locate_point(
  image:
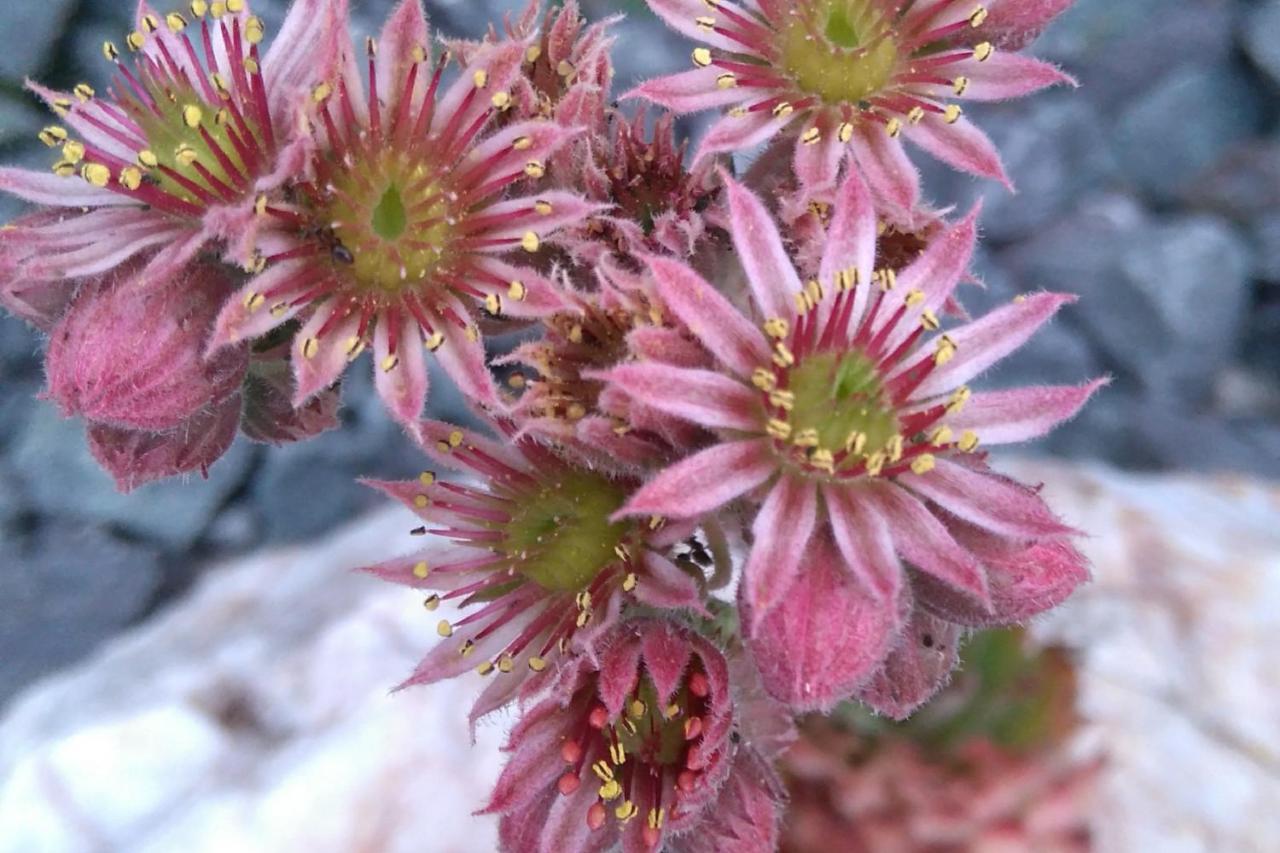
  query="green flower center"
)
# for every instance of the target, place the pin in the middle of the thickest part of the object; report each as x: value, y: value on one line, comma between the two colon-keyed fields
x: 838, y: 395
x: 852, y: 60
x: 562, y: 538
x: 391, y: 220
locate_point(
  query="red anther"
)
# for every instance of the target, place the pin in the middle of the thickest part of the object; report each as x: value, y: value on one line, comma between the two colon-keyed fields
x: 599, y: 717
x: 651, y: 836
x: 568, y: 783
x: 686, y: 780
x: 692, y: 728
x: 570, y: 751
x: 595, y: 816
x: 699, y: 685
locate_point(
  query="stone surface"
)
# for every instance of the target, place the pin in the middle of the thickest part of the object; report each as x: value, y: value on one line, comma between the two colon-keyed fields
x: 1163, y: 300
x: 65, y: 590
x: 31, y: 31
x: 1259, y: 36
x: 63, y: 479
x: 1244, y: 184
x: 1265, y: 234
x: 256, y: 716
x: 1162, y: 150
x: 1176, y: 646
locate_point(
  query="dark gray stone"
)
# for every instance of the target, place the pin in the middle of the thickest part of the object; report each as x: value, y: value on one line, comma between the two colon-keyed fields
x: 1162, y: 301
x: 1055, y: 148
x: 63, y: 479
x: 20, y: 347
x: 1262, y: 340
x: 1120, y: 49
x: 13, y: 502
x: 66, y: 589
x: 19, y: 117
x: 30, y: 32
x: 1265, y: 233
x: 1261, y: 36
x: 1244, y: 184
x: 1178, y: 129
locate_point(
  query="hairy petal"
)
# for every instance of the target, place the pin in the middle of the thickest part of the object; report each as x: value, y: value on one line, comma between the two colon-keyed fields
x: 986, y: 499
x: 705, y: 481
x: 781, y: 531
x: 918, y: 666
x: 770, y: 273
x: 1022, y: 414
x: 700, y: 396
x: 960, y: 145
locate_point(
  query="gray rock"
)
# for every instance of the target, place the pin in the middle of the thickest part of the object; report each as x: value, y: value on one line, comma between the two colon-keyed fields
x: 1262, y: 340
x: 1162, y: 301
x: 30, y: 31
x: 1055, y: 148
x: 1178, y: 129
x: 1244, y: 184
x: 64, y: 480
x: 19, y: 116
x: 19, y: 349
x: 13, y: 503
x: 1261, y: 37
x: 1265, y: 232
x: 66, y: 589
x: 1119, y: 49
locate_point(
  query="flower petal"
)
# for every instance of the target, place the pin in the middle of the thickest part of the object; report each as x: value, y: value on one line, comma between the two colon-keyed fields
x: 866, y: 542
x: 666, y: 655
x: 682, y: 16
x: 781, y: 531
x: 770, y: 273
x: 688, y: 91
x: 245, y: 316
x: 917, y: 667
x: 851, y: 241
x: 666, y: 585
x: 1005, y: 75
x: 404, y: 34
x: 462, y: 357
x: 1022, y: 414
x: 817, y: 164
x: 318, y: 360
x: 48, y: 188
x: 740, y: 132
x: 400, y: 376
x: 1013, y: 24
x: 705, y: 481
x: 960, y: 145
x: 699, y: 396
x: 732, y: 339
x: 890, y: 173
x: 987, y: 500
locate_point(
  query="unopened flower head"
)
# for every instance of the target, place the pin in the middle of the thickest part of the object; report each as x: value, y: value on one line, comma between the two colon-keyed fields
x: 537, y: 566
x: 634, y: 748
x: 847, y: 407
x: 850, y: 77
x: 396, y: 238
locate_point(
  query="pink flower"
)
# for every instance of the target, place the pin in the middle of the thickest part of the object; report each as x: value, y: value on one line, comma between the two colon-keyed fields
x: 396, y: 234
x: 535, y: 559
x: 635, y: 748
x: 847, y: 411
x: 849, y: 78
x: 195, y: 126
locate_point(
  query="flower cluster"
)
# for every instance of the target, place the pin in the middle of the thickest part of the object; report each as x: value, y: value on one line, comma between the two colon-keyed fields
x: 736, y: 472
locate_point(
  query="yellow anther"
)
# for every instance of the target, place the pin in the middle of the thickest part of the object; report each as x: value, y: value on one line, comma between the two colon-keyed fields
x: 543, y: 207
x: 537, y: 664
x: 813, y: 290
x: 251, y: 65
x: 418, y: 53
x: 782, y: 356
x: 73, y: 151
x: 806, y: 438
x: 893, y: 127
x: 785, y: 400
x: 321, y: 93
x: 61, y: 106
x: 960, y: 85
x: 888, y: 279
x: 671, y: 711
x: 764, y: 379
x: 968, y: 441
x: 150, y: 23
x: 480, y: 78
x: 914, y: 298
x: 656, y: 522
x: 621, y: 551
x: 625, y: 811
x: 198, y: 8
x: 738, y: 112
x: 823, y: 460
x: 946, y: 350
x: 310, y: 346
x: 253, y: 301
x: 522, y: 143
x: 421, y: 501
x: 978, y: 17
x: 637, y: 709
x: 466, y: 648
x: 875, y: 464
x: 136, y: 41
x: 603, y: 770
x: 532, y: 54
x: 952, y: 113
x: 147, y: 159
x: 565, y: 68
x: 493, y: 304
x: 63, y: 169
x: 726, y: 81
x: 530, y: 242
x: 175, y: 22
x: 958, y: 399
x: 431, y: 602
x: 254, y: 30
x: 982, y: 52
x: 260, y: 204
x: 701, y: 57
x: 923, y: 464
x: 235, y: 7
x: 84, y: 91
x: 130, y: 178
x: 444, y: 629
x: 846, y: 279
x: 517, y: 291
x: 455, y: 438
x: 783, y: 109
x: 354, y: 346
x: 617, y: 754
x: 434, y: 341
x: 506, y: 663
x: 705, y: 22
x: 535, y: 169
x: 856, y: 442
x: 940, y: 436
x: 53, y: 135
x: 845, y: 133
x: 110, y: 51
x: 916, y: 115
x: 96, y: 174
x: 893, y: 448
x: 485, y: 668
x: 501, y: 100
x: 280, y: 308
x: 575, y: 334
x: 629, y: 582
x: 192, y: 116
x: 656, y: 818
x: 779, y: 429
x: 185, y: 154
x: 777, y: 328
x: 610, y: 790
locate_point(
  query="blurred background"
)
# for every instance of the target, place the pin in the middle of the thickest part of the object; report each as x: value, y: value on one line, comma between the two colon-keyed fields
x: 1153, y: 191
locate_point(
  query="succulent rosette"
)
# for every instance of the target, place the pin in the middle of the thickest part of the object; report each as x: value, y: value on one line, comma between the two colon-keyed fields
x: 848, y: 79
x: 634, y: 748
x: 196, y: 125
x: 842, y: 404
x: 399, y: 234
x: 536, y: 562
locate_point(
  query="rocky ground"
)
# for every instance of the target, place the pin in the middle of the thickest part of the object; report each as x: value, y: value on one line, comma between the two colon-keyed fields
x: 254, y: 715
x: 1154, y: 191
